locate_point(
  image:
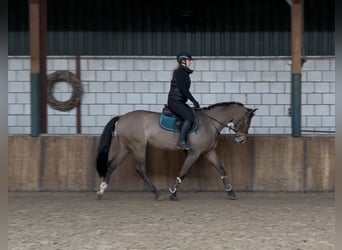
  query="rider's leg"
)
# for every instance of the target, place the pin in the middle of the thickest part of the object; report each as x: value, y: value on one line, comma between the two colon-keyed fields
x: 183, y: 136
x: 187, y: 114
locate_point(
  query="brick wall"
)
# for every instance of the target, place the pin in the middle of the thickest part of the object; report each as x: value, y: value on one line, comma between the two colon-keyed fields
x: 116, y: 85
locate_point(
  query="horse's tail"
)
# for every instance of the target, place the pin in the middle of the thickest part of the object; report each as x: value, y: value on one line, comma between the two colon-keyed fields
x: 104, y: 146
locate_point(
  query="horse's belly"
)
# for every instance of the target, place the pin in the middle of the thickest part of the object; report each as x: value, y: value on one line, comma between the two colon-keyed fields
x: 163, y: 140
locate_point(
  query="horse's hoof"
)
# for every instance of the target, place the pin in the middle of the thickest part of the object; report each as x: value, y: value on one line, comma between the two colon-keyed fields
x: 231, y: 195
x: 173, y: 198
x: 99, y: 195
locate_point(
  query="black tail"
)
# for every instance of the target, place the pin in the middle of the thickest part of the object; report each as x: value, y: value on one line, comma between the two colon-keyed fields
x: 104, y: 146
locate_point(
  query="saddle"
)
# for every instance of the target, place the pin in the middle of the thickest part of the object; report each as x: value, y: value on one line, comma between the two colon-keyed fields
x: 171, y: 122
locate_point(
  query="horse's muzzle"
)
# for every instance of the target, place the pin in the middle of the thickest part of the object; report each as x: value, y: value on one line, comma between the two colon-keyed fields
x: 241, y: 138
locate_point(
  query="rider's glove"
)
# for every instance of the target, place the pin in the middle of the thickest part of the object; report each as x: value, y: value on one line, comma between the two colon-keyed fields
x: 196, y: 104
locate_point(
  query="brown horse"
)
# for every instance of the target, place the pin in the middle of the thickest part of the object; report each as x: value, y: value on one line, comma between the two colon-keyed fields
x: 138, y: 128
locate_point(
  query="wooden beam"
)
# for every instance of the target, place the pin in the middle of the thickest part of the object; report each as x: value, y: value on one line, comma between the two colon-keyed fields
x: 38, y: 29
x: 42, y: 61
x: 297, y: 49
x: 78, y: 111
x: 35, y: 67
x: 34, y: 36
x: 297, y: 35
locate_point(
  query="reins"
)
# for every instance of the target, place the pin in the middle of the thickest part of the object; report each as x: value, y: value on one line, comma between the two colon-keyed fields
x: 224, y: 125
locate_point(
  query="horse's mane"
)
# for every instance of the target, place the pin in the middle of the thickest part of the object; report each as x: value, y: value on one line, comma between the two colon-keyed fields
x: 223, y: 104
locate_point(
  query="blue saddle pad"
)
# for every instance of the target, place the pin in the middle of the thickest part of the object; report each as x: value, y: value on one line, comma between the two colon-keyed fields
x: 169, y: 123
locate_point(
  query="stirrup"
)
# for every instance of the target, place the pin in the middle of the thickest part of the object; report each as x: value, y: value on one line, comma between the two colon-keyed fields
x: 184, y: 145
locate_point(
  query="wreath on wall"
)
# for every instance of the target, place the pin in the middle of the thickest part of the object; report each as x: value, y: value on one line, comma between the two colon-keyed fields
x: 70, y: 78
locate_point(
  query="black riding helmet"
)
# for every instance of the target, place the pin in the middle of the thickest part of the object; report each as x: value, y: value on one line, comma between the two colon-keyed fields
x: 183, y: 56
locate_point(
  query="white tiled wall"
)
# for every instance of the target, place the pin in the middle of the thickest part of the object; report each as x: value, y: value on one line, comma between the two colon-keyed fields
x: 116, y: 85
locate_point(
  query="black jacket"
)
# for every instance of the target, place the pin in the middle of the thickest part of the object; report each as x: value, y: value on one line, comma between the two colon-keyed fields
x: 180, y: 85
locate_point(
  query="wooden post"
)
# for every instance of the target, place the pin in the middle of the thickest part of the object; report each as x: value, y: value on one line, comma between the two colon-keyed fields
x: 297, y: 48
x: 37, y: 9
x: 35, y: 67
x: 42, y: 61
x: 78, y: 110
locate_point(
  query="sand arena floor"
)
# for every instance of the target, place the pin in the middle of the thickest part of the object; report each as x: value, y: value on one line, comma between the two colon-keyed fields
x: 204, y: 220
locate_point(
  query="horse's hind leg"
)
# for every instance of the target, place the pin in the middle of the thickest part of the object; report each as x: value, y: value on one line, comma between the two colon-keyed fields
x: 140, y: 158
x: 112, y: 165
x: 212, y: 158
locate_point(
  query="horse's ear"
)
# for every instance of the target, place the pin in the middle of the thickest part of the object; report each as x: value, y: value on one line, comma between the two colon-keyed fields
x: 251, y: 111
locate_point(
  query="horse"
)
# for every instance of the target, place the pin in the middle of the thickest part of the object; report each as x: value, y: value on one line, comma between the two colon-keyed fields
x: 136, y: 129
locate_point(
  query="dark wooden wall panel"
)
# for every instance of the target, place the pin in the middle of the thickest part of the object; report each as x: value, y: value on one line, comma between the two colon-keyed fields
x: 320, y: 173
x: 24, y: 163
x: 163, y: 28
x: 278, y: 164
x: 264, y: 163
x: 68, y: 162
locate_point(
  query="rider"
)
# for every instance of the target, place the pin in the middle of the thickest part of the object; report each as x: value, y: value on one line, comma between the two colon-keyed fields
x: 179, y: 94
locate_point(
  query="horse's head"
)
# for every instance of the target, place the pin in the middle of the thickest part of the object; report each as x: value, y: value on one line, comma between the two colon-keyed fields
x: 241, y: 125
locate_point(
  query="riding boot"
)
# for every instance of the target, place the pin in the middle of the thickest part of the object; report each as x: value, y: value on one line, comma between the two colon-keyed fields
x: 183, y: 137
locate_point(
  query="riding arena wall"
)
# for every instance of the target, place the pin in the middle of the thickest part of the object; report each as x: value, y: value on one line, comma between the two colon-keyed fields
x: 272, y: 160
x: 276, y: 163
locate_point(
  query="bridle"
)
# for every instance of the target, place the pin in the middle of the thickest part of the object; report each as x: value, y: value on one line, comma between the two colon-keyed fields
x: 224, y: 125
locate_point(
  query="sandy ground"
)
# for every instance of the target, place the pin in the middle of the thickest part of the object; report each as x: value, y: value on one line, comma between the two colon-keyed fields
x: 205, y: 220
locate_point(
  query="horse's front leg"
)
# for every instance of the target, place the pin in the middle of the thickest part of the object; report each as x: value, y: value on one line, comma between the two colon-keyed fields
x: 212, y: 158
x: 173, y: 189
x: 228, y: 187
x: 192, y: 157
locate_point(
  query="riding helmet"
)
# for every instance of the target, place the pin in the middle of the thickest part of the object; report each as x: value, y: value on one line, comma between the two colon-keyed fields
x: 183, y: 56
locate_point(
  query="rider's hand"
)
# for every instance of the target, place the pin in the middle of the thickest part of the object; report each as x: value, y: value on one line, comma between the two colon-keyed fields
x: 196, y: 104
